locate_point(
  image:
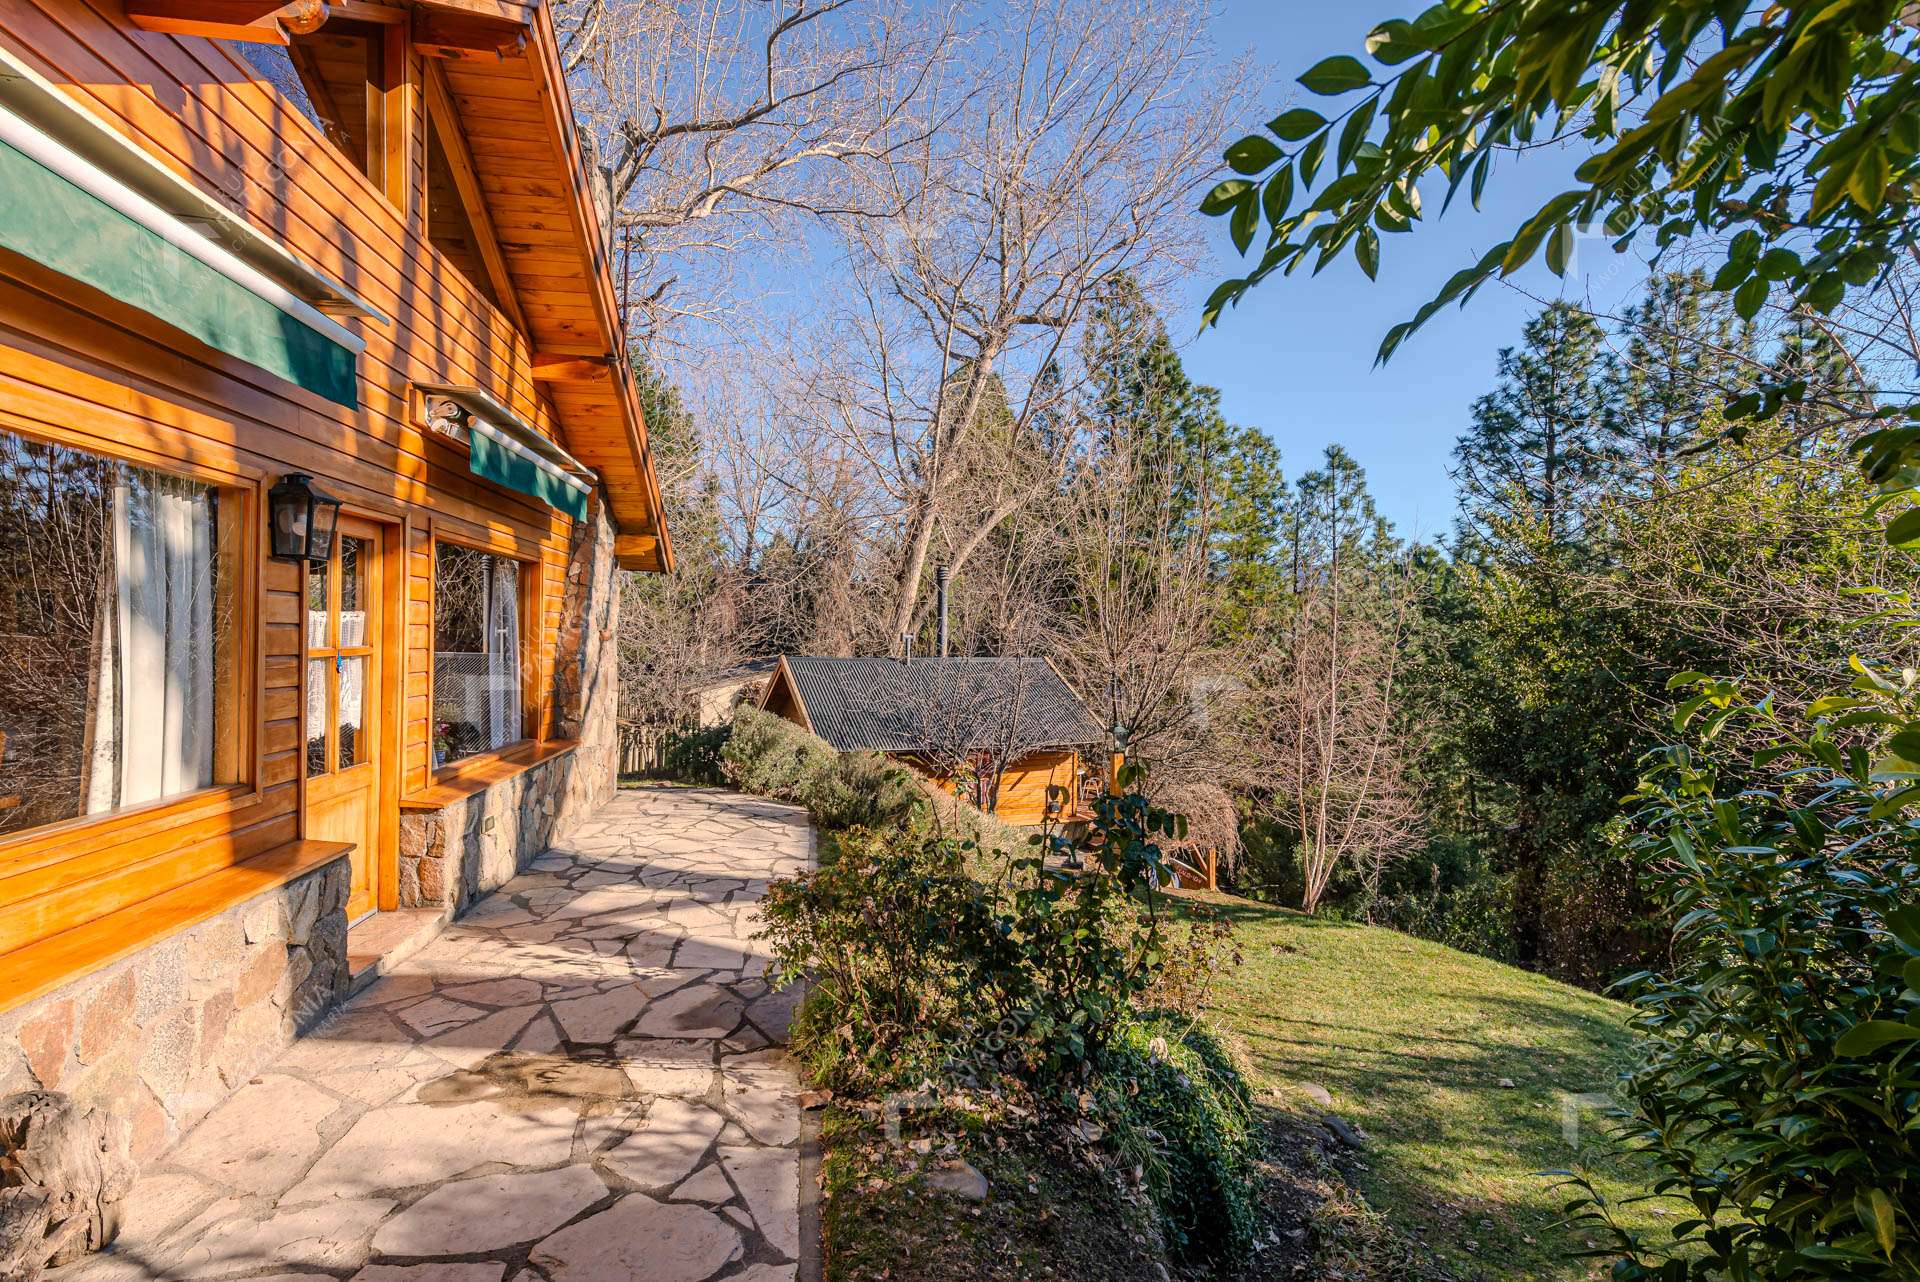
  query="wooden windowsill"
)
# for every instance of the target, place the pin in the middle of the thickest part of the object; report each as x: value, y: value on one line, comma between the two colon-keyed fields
x: 463, y: 779
x: 41, y: 967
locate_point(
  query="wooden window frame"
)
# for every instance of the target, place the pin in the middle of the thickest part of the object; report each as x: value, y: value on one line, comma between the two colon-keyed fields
x: 389, y: 107
x: 527, y: 609
x: 243, y: 690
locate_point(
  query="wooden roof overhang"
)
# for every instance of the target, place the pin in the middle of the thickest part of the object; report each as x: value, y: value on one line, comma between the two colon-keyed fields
x: 497, y: 64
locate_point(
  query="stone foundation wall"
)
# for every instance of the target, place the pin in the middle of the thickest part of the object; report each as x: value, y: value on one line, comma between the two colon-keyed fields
x: 452, y: 856
x: 156, y: 1041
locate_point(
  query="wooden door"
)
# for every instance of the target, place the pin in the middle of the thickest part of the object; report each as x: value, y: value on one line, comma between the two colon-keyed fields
x: 343, y: 704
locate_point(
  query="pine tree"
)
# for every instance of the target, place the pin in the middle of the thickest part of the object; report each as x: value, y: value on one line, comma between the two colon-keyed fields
x: 1544, y: 437
x: 1684, y: 346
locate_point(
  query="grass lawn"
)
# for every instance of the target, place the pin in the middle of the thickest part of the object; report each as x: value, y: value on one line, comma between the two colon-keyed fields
x: 1412, y: 1040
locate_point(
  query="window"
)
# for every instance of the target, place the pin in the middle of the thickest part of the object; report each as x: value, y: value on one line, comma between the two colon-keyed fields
x: 449, y: 223
x: 476, y: 653
x: 335, y: 76
x: 117, y: 672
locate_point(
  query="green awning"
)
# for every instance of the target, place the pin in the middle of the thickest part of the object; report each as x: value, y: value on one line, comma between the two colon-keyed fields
x: 519, y: 470
x: 149, y: 260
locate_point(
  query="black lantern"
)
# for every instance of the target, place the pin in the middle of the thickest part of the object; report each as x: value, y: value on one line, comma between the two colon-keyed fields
x: 302, y: 519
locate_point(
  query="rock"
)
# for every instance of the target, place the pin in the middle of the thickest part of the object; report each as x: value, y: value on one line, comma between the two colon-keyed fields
x: 640, y: 1238
x: 1506, y: 1084
x: 1347, y: 1135
x: 469, y: 1217
x: 668, y: 1146
x: 1317, y: 1093
x: 961, y: 1179
x: 769, y: 1180
x: 61, y: 1183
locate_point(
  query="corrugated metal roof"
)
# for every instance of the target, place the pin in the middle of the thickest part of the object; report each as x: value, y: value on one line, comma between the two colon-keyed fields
x: 920, y: 705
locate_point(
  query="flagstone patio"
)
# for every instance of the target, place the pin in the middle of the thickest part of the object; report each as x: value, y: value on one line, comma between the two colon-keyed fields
x: 579, y: 1081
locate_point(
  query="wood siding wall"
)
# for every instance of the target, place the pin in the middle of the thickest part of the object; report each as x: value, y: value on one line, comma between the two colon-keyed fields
x: 80, y: 369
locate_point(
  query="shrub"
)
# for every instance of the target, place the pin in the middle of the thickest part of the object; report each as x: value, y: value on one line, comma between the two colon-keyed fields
x: 772, y: 757
x: 1178, y: 1090
x: 867, y: 790
x: 694, y: 756
x: 1781, y: 1063
x: 902, y: 952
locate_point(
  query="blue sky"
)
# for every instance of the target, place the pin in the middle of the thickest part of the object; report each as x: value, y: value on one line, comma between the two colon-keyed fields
x: 1296, y: 357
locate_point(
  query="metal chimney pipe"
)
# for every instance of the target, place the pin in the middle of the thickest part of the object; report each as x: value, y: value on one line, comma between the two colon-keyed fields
x: 942, y: 576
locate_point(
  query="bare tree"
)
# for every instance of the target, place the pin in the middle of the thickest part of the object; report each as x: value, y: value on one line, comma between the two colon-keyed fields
x: 722, y: 121
x: 1336, y: 746
x: 1066, y: 155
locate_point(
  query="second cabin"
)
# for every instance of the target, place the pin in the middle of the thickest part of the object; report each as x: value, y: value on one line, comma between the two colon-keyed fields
x: 1006, y: 734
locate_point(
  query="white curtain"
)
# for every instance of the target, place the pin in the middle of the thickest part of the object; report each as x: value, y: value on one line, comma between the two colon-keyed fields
x: 153, y: 720
x: 503, y: 653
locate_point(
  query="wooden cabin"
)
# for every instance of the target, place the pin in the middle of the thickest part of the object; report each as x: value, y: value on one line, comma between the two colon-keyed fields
x: 319, y: 449
x: 964, y: 723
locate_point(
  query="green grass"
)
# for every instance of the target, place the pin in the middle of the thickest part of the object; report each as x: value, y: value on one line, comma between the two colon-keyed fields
x: 1412, y: 1039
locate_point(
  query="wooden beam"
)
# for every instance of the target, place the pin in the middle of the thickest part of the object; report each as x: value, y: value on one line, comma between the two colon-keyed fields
x: 550, y: 367
x: 636, y: 547
x: 440, y: 34
x: 446, y: 125
x: 215, y: 19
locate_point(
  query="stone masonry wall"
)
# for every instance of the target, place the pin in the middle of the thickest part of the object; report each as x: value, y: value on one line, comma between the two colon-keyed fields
x: 452, y: 856
x: 157, y: 1040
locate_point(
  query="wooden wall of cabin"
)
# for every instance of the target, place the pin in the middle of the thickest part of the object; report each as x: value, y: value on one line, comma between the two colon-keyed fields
x: 1024, y: 784
x: 1023, y: 787
x: 82, y: 370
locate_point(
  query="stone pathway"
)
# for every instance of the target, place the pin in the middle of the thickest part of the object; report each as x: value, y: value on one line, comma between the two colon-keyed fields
x: 580, y: 1081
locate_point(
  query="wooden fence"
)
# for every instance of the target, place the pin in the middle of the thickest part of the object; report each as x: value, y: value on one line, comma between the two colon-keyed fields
x: 643, y: 748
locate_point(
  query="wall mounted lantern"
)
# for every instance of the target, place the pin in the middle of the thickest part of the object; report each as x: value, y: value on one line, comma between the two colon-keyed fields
x: 302, y: 519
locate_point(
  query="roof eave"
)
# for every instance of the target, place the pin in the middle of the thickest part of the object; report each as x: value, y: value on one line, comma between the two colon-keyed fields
x: 543, y: 56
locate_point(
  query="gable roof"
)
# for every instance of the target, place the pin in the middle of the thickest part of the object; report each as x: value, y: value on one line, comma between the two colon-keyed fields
x: 919, y: 705
x: 544, y: 199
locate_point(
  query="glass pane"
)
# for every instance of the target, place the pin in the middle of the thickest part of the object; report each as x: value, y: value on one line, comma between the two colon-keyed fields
x: 115, y: 623
x: 353, y: 687
x: 325, y: 76
x: 317, y: 715
x: 353, y: 610
x: 317, y: 605
x: 476, y: 658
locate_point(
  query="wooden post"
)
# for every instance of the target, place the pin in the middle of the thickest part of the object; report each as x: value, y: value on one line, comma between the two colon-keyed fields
x: 1213, y: 868
x: 1114, y: 767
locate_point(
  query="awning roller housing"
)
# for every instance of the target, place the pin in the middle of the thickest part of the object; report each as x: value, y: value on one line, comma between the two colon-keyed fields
x: 505, y: 449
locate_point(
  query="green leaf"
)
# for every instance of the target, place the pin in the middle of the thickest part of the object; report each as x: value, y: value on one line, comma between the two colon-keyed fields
x: 1339, y: 74
x: 1875, y: 1210
x: 1246, y: 218
x: 1310, y: 159
x: 1224, y: 197
x: 1560, y: 249
x: 1868, y: 182
x: 1277, y: 196
x: 1747, y: 300
x: 1910, y: 974
x: 1356, y: 128
x: 1366, y: 252
x: 1296, y: 124
x: 1905, y: 925
x: 1394, y: 41
x: 1253, y: 154
x: 1904, y: 530
x: 1870, y: 1035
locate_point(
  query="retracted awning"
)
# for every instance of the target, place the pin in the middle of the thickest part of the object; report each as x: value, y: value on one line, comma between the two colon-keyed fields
x: 81, y: 200
x: 505, y: 449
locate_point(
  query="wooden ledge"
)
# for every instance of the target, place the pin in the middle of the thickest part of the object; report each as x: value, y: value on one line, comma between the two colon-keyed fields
x: 463, y: 779
x: 41, y: 967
